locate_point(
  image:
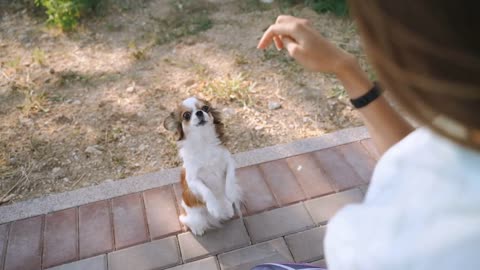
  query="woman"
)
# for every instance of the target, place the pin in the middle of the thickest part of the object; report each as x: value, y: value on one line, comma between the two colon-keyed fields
x: 422, y: 210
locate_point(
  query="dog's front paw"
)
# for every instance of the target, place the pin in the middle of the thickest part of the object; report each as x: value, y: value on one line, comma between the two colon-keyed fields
x: 229, y: 211
x: 215, y: 209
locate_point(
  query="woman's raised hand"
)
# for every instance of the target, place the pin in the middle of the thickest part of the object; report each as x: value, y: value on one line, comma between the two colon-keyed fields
x: 305, y: 44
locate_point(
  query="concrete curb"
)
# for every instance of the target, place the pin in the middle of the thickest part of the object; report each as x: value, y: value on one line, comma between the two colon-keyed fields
x: 134, y: 184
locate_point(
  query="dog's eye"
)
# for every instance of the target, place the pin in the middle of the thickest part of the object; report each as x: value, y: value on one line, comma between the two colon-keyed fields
x: 187, y: 115
x: 205, y: 108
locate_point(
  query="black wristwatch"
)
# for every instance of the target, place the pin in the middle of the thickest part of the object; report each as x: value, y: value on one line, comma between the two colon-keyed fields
x: 366, y: 99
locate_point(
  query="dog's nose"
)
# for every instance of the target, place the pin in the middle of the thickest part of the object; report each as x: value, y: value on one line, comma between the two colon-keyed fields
x: 199, y: 114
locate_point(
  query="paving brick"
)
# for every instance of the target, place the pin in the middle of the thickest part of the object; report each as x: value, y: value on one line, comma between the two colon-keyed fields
x: 231, y: 236
x: 274, y: 251
x: 3, y: 242
x: 312, y: 179
x: 371, y: 148
x: 320, y: 263
x: 282, y: 182
x: 278, y: 222
x: 25, y: 244
x: 209, y: 263
x: 257, y: 196
x: 129, y: 220
x: 306, y: 246
x: 94, y: 263
x: 61, y: 239
x: 323, y: 208
x: 162, y: 216
x: 358, y: 157
x: 342, y: 175
x: 95, y: 229
x: 159, y: 254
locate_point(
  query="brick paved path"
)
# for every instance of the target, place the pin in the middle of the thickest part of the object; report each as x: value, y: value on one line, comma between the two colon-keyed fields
x: 288, y: 204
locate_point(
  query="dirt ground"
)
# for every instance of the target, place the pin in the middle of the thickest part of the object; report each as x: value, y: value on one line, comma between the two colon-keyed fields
x: 84, y: 107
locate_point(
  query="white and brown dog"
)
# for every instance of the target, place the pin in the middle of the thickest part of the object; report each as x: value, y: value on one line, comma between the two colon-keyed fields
x: 210, y: 189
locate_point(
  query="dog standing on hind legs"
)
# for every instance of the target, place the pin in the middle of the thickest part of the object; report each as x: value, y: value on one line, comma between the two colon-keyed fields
x: 211, y: 193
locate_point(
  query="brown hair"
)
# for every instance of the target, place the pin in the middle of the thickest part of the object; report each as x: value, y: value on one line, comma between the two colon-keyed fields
x: 427, y: 54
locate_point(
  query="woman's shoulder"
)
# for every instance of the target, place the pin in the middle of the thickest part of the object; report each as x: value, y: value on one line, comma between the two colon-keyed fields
x: 424, y: 156
x: 421, y: 209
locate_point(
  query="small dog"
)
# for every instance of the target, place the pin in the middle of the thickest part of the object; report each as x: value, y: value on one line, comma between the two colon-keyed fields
x: 210, y: 188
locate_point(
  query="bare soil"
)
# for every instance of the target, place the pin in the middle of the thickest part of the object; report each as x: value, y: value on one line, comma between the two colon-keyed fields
x: 84, y: 107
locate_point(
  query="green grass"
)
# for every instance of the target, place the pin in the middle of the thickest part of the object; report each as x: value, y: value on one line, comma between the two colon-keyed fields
x: 232, y: 88
x: 337, y: 7
x: 66, y: 14
x: 38, y: 56
x: 188, y: 17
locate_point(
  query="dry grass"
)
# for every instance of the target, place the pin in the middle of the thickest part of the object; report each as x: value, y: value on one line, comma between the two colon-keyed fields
x: 109, y: 86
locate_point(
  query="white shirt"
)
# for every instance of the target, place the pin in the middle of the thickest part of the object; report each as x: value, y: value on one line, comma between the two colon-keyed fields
x: 421, y: 212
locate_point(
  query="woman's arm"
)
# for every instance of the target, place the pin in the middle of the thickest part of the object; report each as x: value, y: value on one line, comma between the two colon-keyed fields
x: 384, y: 124
x: 316, y: 53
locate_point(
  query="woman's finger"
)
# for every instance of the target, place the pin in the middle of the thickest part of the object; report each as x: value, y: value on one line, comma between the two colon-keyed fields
x: 291, y: 46
x: 278, y: 42
x: 275, y: 30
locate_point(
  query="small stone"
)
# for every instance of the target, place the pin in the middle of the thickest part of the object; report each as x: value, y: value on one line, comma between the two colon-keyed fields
x: 93, y: 149
x: 266, y: 1
x: 8, y: 198
x: 131, y: 88
x: 76, y: 102
x: 56, y: 170
x: 66, y: 179
x: 273, y: 105
x: 307, y: 119
x: 12, y: 161
x: 142, y: 147
x: 258, y: 128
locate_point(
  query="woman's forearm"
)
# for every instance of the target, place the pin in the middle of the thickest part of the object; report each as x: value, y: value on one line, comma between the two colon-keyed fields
x: 384, y: 124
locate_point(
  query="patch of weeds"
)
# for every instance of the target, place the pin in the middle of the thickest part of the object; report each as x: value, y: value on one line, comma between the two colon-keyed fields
x: 235, y: 88
x: 240, y: 60
x: 14, y: 63
x: 114, y: 27
x: 118, y: 160
x: 56, y: 98
x: 337, y: 92
x: 110, y: 135
x: 33, y: 102
x: 199, y: 69
x: 136, y: 52
x: 272, y: 54
x: 66, y: 13
x: 38, y: 56
x: 246, y: 6
x: 67, y: 77
x: 337, y: 7
x: 189, y: 17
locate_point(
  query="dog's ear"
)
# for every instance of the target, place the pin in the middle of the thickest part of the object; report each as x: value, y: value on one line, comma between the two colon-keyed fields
x: 172, y: 123
x: 217, y: 121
